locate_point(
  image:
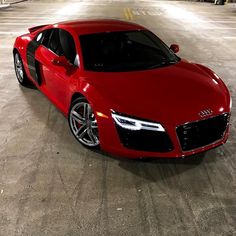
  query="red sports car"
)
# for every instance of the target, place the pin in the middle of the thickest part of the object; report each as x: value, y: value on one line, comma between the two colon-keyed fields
x: 123, y: 90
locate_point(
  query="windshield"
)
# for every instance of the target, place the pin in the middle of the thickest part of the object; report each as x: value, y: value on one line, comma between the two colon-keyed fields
x: 125, y: 51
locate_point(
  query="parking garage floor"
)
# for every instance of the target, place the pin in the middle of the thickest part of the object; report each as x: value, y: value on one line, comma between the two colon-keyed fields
x: 51, y: 185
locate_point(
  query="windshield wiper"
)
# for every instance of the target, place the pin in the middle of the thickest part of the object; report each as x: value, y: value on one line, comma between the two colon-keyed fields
x: 154, y: 66
x: 167, y: 62
x: 163, y: 63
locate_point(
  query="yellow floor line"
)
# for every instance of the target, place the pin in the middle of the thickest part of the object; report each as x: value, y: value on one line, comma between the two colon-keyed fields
x: 128, y: 14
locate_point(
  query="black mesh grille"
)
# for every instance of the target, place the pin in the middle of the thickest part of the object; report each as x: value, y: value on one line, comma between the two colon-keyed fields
x: 145, y: 140
x: 202, y: 133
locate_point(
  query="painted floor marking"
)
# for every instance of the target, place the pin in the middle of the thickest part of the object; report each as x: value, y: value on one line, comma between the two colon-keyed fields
x: 128, y: 14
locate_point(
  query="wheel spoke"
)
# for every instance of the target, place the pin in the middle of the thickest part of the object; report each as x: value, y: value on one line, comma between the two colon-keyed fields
x: 76, y: 116
x: 85, y: 111
x: 91, y: 136
x: 80, y: 129
x: 83, y: 133
x: 88, y: 111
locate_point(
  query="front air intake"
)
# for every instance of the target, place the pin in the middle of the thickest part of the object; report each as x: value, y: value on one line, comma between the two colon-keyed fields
x: 202, y: 133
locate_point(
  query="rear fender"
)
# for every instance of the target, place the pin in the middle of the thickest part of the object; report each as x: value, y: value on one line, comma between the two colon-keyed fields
x: 20, y: 45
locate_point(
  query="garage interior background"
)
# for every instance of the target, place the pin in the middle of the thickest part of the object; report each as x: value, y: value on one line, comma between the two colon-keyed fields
x: 51, y: 185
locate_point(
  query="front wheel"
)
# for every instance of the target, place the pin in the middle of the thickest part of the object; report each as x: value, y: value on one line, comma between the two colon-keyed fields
x: 83, y: 123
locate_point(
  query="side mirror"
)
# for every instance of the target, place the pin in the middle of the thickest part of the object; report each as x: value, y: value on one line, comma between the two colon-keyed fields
x: 174, y: 48
x: 60, y: 61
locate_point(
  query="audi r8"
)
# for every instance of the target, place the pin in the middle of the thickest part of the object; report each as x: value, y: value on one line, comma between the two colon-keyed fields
x: 123, y: 89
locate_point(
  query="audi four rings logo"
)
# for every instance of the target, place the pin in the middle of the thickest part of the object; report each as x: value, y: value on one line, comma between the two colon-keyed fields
x: 205, y: 113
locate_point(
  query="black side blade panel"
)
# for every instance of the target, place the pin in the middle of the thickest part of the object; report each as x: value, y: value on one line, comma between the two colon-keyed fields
x: 31, y: 49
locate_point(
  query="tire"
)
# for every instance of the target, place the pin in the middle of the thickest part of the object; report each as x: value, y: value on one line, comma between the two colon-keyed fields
x: 83, y: 124
x: 19, y: 69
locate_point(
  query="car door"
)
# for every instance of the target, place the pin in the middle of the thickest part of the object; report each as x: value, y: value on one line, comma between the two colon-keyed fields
x: 56, y: 77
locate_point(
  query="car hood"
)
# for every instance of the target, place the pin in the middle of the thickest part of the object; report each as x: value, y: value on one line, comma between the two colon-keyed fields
x: 173, y: 94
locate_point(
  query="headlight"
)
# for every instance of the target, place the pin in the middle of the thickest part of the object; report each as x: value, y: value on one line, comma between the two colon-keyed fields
x: 134, y: 124
x: 230, y: 103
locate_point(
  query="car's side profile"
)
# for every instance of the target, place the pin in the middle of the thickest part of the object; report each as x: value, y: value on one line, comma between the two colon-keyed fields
x: 123, y: 90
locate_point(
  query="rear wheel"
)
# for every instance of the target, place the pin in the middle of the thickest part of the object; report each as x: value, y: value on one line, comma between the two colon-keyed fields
x: 19, y: 69
x: 83, y: 123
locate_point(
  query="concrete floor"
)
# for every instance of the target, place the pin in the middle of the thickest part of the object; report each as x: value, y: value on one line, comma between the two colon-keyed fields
x: 51, y: 185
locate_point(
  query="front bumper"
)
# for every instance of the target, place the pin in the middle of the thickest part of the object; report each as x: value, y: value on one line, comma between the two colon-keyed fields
x: 111, y: 141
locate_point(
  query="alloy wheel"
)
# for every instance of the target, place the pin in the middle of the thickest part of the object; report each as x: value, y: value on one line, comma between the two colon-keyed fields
x: 19, y: 68
x: 83, y: 124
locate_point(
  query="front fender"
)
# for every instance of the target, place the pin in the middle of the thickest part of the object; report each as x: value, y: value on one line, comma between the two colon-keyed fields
x: 214, y: 76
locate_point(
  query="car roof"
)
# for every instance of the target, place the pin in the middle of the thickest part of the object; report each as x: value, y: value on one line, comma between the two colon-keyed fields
x: 92, y: 26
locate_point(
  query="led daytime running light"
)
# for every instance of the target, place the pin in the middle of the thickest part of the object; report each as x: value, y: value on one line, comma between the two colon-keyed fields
x: 134, y: 124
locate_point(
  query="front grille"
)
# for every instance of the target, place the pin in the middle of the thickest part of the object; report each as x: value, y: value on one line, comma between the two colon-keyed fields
x: 145, y: 140
x: 202, y: 133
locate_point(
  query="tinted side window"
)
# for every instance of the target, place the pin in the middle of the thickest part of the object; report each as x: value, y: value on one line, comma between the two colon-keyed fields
x: 39, y: 37
x: 61, y: 43
x: 67, y: 45
x: 46, y: 37
x: 43, y: 37
x: 54, y: 42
